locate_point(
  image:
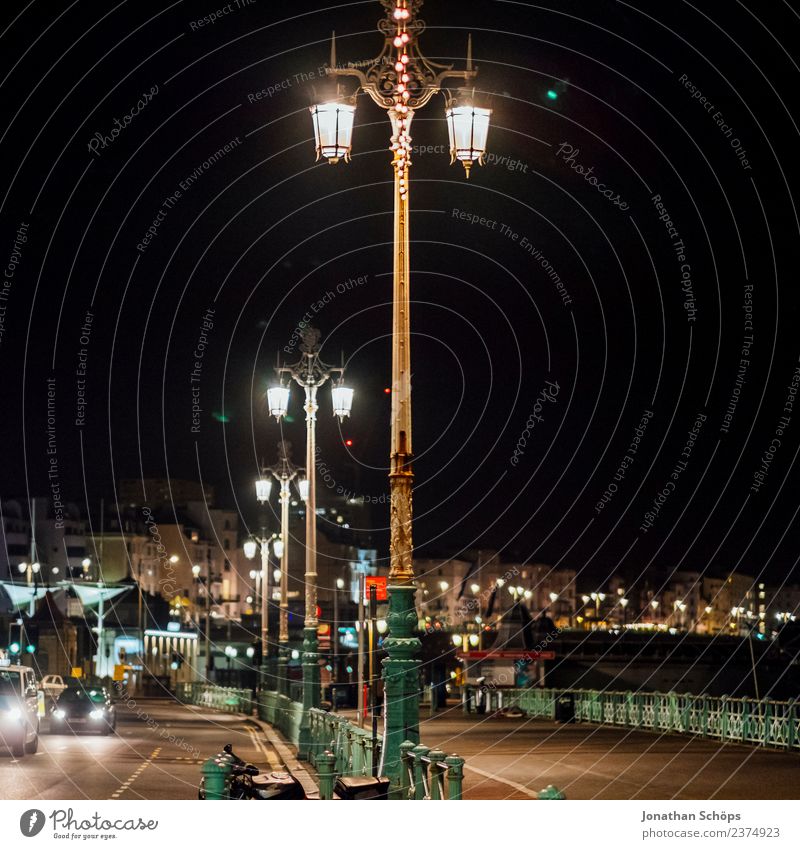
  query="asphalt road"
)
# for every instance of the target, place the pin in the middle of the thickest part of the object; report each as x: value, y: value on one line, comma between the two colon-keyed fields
x: 155, y: 754
x: 514, y: 758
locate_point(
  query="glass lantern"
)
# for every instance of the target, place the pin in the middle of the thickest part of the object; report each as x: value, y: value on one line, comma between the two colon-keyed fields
x: 333, y: 129
x: 263, y: 489
x: 468, y: 127
x: 278, y: 400
x: 342, y: 398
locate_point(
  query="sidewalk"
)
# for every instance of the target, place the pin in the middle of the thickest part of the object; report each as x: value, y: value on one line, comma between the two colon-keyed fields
x: 514, y: 758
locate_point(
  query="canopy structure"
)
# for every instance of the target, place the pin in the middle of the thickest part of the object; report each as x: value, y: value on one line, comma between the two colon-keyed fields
x: 90, y: 595
x: 20, y: 594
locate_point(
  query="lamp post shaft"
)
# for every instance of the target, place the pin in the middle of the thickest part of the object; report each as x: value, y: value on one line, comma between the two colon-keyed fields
x: 400, y: 667
x: 311, y: 676
x: 283, y: 632
x: 264, y: 600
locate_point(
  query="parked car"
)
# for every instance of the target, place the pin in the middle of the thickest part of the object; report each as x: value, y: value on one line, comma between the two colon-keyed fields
x: 83, y: 708
x: 19, y: 709
x: 53, y: 686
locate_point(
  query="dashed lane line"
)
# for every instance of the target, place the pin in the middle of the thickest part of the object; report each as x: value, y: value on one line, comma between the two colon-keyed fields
x: 142, y: 767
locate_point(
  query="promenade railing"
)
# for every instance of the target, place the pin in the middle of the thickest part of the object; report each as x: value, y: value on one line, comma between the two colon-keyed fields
x: 761, y: 722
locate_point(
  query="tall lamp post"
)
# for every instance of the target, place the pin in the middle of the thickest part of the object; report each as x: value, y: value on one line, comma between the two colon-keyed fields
x: 284, y: 471
x: 401, y: 80
x: 261, y: 579
x: 310, y: 372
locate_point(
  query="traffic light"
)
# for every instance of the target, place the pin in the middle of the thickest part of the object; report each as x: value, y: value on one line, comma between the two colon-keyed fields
x: 31, y: 638
x: 15, y: 638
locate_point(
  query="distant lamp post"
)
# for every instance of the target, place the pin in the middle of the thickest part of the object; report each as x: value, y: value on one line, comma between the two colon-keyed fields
x: 310, y: 372
x: 284, y: 471
x: 400, y: 80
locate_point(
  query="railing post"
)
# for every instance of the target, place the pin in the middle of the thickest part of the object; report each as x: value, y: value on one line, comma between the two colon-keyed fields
x: 723, y: 718
x: 407, y: 770
x: 746, y: 713
x: 455, y: 777
x: 326, y: 771
x: 791, y: 719
x: 420, y: 776
x: 704, y: 717
x: 767, y: 722
x: 437, y: 773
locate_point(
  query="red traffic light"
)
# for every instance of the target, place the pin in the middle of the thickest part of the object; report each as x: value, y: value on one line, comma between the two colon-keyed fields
x: 387, y: 391
x: 348, y: 443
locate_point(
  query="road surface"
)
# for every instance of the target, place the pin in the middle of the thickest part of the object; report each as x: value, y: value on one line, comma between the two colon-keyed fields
x: 155, y: 754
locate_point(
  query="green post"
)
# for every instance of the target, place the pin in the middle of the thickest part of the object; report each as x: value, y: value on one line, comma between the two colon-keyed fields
x: 215, y: 774
x: 326, y: 771
x: 437, y: 773
x: 723, y: 704
x: 455, y: 777
x: 550, y: 792
x: 400, y: 677
x: 283, y: 669
x: 311, y: 686
x: 767, y: 721
x: 406, y: 786
x: 791, y: 719
x: 420, y: 768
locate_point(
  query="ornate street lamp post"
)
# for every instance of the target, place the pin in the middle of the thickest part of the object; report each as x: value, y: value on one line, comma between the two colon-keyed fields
x: 401, y: 80
x: 310, y: 372
x: 284, y: 471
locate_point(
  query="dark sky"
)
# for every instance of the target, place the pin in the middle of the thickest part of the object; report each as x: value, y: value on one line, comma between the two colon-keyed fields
x: 683, y: 101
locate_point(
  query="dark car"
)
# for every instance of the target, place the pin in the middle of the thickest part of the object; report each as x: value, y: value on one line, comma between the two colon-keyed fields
x: 83, y: 708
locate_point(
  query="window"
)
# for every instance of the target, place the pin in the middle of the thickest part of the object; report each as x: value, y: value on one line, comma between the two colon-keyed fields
x: 227, y: 525
x: 226, y: 544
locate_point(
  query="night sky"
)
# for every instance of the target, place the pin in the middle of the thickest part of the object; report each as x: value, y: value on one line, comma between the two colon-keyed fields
x: 629, y: 249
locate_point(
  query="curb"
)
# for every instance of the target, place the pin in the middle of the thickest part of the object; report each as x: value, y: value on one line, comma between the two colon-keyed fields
x: 287, y: 757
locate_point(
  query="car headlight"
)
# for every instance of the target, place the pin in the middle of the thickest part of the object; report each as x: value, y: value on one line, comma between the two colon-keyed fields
x: 96, y: 714
x: 59, y: 714
x: 13, y: 714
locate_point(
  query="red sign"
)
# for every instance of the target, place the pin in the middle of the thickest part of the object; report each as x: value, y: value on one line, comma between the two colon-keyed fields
x: 380, y: 585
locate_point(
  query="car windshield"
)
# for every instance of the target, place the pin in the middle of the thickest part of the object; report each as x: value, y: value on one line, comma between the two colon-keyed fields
x: 9, y: 683
x: 82, y: 695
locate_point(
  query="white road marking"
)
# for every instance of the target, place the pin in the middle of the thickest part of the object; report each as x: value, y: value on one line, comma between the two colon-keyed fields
x: 521, y: 787
x: 125, y: 785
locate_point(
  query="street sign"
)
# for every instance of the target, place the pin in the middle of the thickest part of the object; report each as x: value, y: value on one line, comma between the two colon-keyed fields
x: 380, y: 585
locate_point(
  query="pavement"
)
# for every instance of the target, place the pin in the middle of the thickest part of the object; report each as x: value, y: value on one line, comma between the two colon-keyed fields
x: 513, y: 758
x: 155, y: 754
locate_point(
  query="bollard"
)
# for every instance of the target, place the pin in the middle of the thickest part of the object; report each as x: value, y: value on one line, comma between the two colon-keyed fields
x: 550, y: 792
x: 420, y: 771
x: 437, y: 769
x: 326, y: 772
x: 455, y: 776
x: 216, y: 772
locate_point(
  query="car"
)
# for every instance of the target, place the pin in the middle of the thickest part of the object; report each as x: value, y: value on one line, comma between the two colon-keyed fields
x: 53, y: 686
x: 85, y: 708
x: 19, y: 709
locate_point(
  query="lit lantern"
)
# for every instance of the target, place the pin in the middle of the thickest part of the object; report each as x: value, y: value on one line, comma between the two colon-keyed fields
x: 278, y: 400
x: 333, y: 129
x: 342, y: 398
x: 250, y: 547
x: 277, y: 548
x: 468, y: 126
x: 263, y: 489
x: 302, y: 486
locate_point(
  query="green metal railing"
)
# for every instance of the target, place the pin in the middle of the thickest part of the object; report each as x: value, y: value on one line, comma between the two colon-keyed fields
x: 229, y: 699
x: 761, y: 722
x: 281, y: 712
x: 348, y: 750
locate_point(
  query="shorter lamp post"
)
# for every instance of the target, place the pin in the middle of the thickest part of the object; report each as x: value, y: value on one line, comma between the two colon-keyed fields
x: 284, y: 471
